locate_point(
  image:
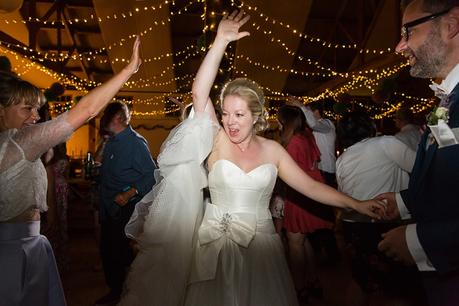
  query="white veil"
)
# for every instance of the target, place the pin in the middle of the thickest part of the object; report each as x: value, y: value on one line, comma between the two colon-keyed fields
x: 165, y: 220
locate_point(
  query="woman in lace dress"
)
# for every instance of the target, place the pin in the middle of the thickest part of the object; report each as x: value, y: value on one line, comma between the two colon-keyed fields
x: 238, y: 258
x: 302, y: 215
x: 29, y: 274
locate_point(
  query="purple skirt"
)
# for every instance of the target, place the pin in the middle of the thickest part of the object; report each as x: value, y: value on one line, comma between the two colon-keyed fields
x: 29, y: 272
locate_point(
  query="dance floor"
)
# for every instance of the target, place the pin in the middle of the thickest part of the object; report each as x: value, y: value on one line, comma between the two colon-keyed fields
x: 84, y: 281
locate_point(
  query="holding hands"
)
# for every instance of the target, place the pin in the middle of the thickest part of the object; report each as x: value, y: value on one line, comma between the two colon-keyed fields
x: 228, y: 29
x: 392, y: 211
x: 394, y: 244
x: 374, y: 208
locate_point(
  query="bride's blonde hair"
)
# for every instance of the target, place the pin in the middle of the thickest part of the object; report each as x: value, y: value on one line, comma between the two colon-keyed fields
x: 252, y: 93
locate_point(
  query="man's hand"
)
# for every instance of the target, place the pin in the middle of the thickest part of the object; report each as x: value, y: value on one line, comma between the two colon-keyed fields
x: 294, y: 101
x: 394, y: 245
x: 123, y: 198
x: 392, y: 211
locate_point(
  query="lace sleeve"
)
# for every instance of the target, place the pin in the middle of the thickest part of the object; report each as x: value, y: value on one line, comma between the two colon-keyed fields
x: 191, y: 140
x: 37, y: 139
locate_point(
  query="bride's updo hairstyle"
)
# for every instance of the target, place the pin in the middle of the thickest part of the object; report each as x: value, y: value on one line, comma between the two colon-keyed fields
x: 252, y: 93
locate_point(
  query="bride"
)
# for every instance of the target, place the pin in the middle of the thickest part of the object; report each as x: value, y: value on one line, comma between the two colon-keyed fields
x: 226, y: 253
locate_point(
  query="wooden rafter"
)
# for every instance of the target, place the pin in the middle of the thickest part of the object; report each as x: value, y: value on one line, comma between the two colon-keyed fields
x: 71, y: 34
x: 69, y: 3
x: 20, y: 48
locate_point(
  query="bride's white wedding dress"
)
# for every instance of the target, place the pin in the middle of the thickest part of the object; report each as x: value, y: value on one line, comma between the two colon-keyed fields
x: 233, y: 257
x: 239, y: 257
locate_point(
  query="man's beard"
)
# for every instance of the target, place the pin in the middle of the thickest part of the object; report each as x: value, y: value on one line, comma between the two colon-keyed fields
x: 430, y: 57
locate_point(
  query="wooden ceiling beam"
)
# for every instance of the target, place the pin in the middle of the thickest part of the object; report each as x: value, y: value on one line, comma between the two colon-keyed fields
x: 71, y: 34
x: 335, y: 26
x: 21, y: 49
x: 69, y: 3
x: 71, y: 48
x: 33, y: 28
x: 76, y: 29
x: 89, y: 70
x: 53, y: 9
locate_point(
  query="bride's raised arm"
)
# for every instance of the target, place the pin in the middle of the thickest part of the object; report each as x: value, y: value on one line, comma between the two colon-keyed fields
x: 296, y: 178
x: 228, y: 31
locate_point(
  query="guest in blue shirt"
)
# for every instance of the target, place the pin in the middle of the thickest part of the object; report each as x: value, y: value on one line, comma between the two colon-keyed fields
x: 127, y: 174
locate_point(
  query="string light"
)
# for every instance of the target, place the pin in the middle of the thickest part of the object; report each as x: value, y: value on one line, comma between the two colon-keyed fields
x: 94, y: 18
x: 68, y: 80
x: 89, y: 56
x: 367, y: 78
x: 299, y: 33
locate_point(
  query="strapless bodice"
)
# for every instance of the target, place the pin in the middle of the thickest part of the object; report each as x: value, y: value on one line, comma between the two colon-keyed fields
x: 238, y: 191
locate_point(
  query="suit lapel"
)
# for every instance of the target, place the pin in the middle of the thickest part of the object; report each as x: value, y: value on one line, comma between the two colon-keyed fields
x: 427, y: 155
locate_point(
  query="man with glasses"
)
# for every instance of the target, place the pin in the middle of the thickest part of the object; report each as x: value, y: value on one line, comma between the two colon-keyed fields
x: 430, y: 41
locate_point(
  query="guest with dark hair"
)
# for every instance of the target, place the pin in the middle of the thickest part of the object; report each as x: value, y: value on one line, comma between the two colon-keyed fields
x: 126, y: 175
x: 324, y: 133
x: 302, y: 215
x: 430, y: 41
x: 368, y: 166
x: 29, y: 274
x: 409, y: 133
x: 355, y: 127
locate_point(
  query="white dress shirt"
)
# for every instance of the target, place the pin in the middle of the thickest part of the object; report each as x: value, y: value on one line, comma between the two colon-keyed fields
x: 374, y: 166
x: 325, y: 135
x: 410, y: 135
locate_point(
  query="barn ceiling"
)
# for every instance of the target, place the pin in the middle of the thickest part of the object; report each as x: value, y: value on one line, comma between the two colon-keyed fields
x: 311, y: 48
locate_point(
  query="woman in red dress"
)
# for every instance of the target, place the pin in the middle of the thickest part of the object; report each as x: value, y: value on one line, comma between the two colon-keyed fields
x: 301, y: 214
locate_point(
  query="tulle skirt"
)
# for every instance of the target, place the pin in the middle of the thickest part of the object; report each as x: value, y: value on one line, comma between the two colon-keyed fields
x: 253, y: 276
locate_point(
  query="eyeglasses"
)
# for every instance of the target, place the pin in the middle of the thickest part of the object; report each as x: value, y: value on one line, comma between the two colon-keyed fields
x: 406, y: 27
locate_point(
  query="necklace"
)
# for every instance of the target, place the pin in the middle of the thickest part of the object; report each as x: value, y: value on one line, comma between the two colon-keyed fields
x: 246, y: 144
x: 242, y: 149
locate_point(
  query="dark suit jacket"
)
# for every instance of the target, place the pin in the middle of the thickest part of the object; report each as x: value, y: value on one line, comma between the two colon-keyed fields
x: 432, y: 197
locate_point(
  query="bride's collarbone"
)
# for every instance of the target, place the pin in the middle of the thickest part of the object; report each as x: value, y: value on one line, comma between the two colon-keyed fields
x: 245, y: 163
x: 247, y: 159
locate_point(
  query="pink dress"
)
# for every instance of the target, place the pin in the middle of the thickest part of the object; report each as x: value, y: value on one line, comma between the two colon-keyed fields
x: 302, y: 214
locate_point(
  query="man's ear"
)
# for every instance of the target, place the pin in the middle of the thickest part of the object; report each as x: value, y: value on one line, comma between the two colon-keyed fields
x: 452, y: 22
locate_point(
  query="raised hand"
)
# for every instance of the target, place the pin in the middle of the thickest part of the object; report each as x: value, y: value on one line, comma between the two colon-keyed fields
x: 228, y: 29
x: 183, y: 107
x: 294, y: 101
x: 135, y: 61
x: 177, y: 102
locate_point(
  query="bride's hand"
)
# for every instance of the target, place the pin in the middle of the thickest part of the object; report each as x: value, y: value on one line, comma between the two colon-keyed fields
x: 373, y: 208
x: 228, y: 29
x: 135, y: 61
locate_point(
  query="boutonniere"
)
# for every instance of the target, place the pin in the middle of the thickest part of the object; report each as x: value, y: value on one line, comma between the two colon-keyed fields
x: 441, y: 131
x: 438, y: 113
